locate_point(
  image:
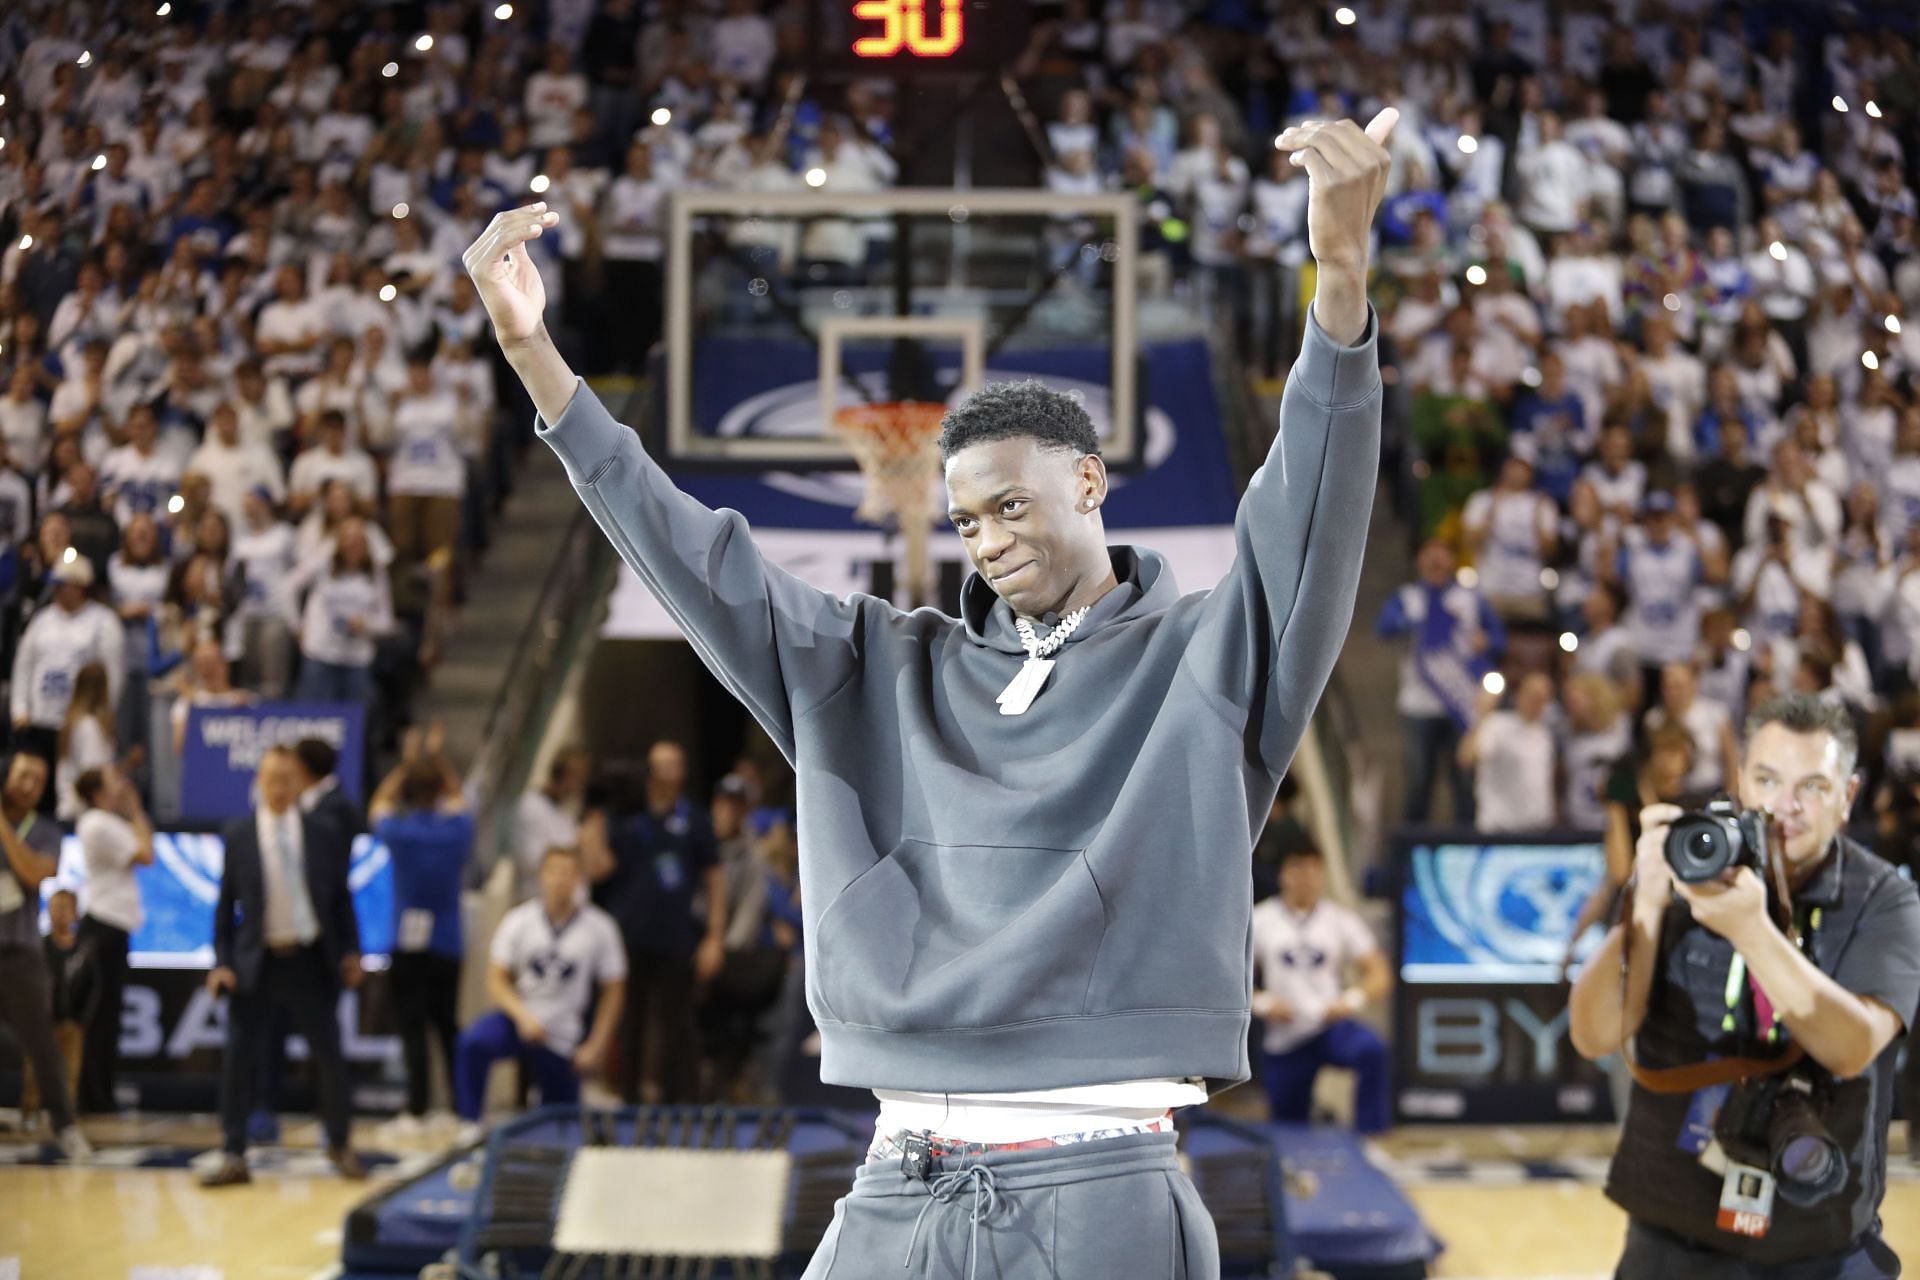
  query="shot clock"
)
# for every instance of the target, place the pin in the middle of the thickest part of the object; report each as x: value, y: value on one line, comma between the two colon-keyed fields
x: 914, y: 37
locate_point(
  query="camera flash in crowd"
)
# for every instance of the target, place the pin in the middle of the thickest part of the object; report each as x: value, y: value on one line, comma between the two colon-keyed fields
x: 1530, y: 376
x: 1777, y: 251
x: 1344, y: 16
x: 99, y: 162
x: 85, y: 59
x: 391, y: 70
x: 1870, y: 360
x: 423, y: 43
x: 1468, y: 144
x: 1741, y: 640
x: 176, y: 504
x: 69, y: 556
x: 1467, y: 576
x: 539, y: 183
x: 1893, y: 323
x: 400, y: 210
x: 1872, y: 108
x: 1476, y: 274
x: 1494, y: 683
x: 1839, y: 104
x: 503, y: 12
x: 388, y: 293
x: 1569, y: 642
x: 163, y: 10
x: 1671, y: 302
x: 661, y: 116
x: 816, y: 177
x: 26, y: 242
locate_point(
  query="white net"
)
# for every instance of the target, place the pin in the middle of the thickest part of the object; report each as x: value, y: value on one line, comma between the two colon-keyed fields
x: 898, y: 448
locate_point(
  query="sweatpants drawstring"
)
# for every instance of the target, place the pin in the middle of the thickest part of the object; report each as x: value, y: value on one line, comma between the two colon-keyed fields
x: 944, y: 1190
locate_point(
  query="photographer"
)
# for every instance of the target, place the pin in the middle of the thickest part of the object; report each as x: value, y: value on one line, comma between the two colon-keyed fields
x: 1712, y: 977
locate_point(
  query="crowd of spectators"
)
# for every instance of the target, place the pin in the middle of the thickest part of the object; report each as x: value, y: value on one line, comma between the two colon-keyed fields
x: 1648, y: 279
x: 249, y: 425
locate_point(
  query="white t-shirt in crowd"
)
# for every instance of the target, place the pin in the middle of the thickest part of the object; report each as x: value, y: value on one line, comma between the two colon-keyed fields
x: 138, y: 483
x: 313, y: 469
x: 333, y: 601
x: 282, y: 321
x: 1303, y: 959
x: 539, y: 825
x: 426, y: 459
x: 129, y: 583
x: 1663, y: 613
x: 23, y: 425
x: 1704, y: 721
x: 1514, y: 523
x: 233, y: 472
x: 634, y: 211
x: 554, y: 969
x: 88, y: 747
x: 1590, y: 760
x: 108, y: 847
x: 743, y: 47
x: 1622, y: 489
x: 1513, y: 781
x: 266, y: 557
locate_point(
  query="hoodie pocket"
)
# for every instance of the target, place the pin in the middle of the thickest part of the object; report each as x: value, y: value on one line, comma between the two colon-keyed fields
x: 936, y: 937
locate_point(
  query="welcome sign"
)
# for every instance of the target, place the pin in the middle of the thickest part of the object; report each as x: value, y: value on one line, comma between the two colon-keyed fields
x: 223, y: 747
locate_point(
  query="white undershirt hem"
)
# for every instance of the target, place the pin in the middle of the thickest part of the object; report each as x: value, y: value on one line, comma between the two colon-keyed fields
x: 1044, y: 1113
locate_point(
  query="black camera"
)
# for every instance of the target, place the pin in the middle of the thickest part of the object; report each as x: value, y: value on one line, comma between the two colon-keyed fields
x: 1779, y: 1123
x: 1718, y: 838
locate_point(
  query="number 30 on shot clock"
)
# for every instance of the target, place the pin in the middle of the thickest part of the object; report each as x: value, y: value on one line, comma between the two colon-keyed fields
x: 908, y: 25
x: 861, y: 37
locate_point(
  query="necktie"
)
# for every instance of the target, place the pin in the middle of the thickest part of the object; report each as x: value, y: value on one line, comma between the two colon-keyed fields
x: 305, y: 927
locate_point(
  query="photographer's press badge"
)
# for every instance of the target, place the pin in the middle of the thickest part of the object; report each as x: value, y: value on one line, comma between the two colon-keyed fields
x: 1746, y: 1201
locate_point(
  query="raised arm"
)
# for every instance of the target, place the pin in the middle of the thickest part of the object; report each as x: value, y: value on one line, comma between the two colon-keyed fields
x: 1606, y: 1007
x: 779, y: 645
x: 1269, y: 633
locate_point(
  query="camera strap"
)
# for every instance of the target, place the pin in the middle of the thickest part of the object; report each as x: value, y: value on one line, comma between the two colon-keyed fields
x: 1719, y: 1071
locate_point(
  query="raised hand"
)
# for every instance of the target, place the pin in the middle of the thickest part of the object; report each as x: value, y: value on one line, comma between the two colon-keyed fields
x: 504, y: 276
x: 1347, y: 176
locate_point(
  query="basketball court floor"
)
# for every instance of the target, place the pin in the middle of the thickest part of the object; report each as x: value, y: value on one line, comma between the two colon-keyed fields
x: 1513, y: 1204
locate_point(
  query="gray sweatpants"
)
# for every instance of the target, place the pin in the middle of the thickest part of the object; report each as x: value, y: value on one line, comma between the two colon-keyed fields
x: 26, y: 1008
x: 1119, y: 1207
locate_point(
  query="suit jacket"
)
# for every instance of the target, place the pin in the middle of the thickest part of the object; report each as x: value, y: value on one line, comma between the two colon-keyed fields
x: 240, y: 916
x: 342, y: 816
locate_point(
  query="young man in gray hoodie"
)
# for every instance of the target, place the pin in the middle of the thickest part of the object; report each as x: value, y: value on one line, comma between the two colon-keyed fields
x: 1025, y: 832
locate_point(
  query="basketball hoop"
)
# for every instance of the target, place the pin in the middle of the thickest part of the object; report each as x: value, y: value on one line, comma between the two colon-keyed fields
x: 897, y: 447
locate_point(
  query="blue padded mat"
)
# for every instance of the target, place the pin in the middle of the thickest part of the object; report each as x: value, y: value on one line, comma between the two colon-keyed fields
x: 1356, y: 1218
x: 1356, y: 1224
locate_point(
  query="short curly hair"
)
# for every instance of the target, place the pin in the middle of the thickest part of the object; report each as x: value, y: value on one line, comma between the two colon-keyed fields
x: 1010, y: 410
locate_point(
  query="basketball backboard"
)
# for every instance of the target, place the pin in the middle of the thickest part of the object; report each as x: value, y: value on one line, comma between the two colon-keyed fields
x: 784, y: 305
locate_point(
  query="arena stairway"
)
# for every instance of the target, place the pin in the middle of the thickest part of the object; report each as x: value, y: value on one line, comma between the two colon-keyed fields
x: 503, y: 585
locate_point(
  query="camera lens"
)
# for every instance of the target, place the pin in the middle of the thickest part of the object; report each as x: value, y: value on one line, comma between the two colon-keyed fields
x: 1810, y: 1165
x: 1699, y: 848
x: 1806, y: 1160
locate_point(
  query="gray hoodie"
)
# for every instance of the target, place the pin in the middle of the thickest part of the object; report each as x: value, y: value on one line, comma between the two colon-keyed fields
x: 1008, y: 903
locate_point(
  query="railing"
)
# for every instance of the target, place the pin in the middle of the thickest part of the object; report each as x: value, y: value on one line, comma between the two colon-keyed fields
x: 533, y: 679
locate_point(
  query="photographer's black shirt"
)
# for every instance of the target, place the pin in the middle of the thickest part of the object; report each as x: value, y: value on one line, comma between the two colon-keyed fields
x: 1868, y: 939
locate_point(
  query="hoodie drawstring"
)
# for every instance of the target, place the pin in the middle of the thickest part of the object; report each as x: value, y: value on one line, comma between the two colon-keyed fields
x: 947, y: 1188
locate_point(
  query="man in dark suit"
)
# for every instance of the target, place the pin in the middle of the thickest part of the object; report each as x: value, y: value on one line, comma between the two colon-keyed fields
x: 322, y: 798
x: 321, y: 794
x: 284, y: 935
